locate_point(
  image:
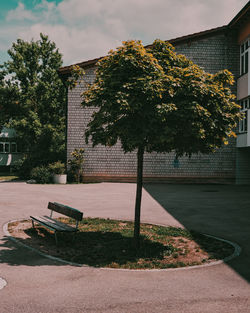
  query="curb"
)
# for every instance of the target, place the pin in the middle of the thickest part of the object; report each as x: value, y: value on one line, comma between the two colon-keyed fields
x: 6, y: 232
x: 3, y: 283
x: 236, y: 253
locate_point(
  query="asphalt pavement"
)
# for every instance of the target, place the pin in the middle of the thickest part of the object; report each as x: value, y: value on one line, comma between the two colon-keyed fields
x: 39, y: 285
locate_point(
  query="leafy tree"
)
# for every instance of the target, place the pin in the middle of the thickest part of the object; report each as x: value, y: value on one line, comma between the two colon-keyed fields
x: 156, y: 100
x: 8, y: 98
x: 33, y: 99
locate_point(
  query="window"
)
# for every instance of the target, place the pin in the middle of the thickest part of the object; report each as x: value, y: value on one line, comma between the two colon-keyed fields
x: 244, y: 57
x: 13, y: 147
x: 245, y: 106
x: 7, y: 147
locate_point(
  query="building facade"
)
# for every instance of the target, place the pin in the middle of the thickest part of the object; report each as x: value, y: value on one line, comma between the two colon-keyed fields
x: 225, y: 47
x: 243, y: 96
x: 9, y: 152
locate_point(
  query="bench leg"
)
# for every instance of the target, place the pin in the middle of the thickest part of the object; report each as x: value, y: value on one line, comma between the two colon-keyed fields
x: 74, y: 237
x: 56, y: 238
x: 33, y: 225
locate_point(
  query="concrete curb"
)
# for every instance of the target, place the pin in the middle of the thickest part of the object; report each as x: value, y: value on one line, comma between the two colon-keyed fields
x: 3, y: 283
x: 237, y: 251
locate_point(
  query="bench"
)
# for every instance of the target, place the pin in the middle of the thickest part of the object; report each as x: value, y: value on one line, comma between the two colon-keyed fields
x: 53, y: 224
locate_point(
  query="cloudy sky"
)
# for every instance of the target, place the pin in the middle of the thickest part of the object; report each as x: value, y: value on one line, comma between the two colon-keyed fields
x: 85, y: 29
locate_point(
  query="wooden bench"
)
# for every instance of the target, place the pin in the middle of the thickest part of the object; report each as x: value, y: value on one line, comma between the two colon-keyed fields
x: 55, y: 225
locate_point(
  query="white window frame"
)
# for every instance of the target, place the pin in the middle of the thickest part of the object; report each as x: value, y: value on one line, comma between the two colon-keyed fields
x: 244, y: 56
x: 245, y: 108
x: 8, y: 147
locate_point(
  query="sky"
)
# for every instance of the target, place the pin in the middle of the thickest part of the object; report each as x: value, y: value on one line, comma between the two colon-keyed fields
x: 86, y: 29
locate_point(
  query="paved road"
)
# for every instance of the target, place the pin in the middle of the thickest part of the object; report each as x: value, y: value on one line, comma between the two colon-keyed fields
x: 39, y: 285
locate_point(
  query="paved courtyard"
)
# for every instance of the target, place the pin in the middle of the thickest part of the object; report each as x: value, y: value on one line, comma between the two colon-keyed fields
x: 39, y: 285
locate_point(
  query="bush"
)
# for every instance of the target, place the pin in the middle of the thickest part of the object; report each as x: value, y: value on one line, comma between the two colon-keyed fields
x: 41, y: 174
x: 23, y: 167
x: 76, y: 164
x: 57, y: 167
x: 17, y: 165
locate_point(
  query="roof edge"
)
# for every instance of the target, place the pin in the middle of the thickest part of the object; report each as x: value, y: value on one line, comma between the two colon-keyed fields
x: 178, y: 40
x: 85, y: 64
x: 203, y: 33
x: 242, y: 12
x: 89, y: 63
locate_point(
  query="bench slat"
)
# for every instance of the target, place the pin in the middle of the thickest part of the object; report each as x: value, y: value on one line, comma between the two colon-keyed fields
x: 63, y: 225
x: 53, y: 224
x: 65, y: 210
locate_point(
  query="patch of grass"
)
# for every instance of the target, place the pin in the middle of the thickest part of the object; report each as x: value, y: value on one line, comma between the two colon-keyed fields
x: 8, y: 177
x: 109, y: 243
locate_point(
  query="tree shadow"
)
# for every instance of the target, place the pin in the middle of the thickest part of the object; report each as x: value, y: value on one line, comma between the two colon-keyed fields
x: 97, y: 249
x: 12, y: 253
x: 218, y: 210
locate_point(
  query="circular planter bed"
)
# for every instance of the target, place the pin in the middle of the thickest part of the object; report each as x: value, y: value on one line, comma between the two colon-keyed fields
x: 109, y: 243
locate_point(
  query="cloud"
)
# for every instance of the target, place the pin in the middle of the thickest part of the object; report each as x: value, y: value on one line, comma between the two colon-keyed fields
x: 73, y: 10
x: 75, y: 44
x: 165, y: 18
x: 85, y: 29
x: 20, y: 14
x: 47, y: 11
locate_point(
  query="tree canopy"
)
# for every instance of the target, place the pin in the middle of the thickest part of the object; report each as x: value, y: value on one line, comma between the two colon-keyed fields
x: 155, y: 100
x: 33, y: 99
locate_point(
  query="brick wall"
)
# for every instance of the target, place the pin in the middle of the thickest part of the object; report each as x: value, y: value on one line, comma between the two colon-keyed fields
x: 111, y: 164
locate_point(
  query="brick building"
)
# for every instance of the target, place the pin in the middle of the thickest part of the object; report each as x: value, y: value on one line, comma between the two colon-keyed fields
x: 225, y: 47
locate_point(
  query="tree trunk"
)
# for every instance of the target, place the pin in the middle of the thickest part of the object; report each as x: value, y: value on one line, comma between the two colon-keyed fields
x: 140, y: 154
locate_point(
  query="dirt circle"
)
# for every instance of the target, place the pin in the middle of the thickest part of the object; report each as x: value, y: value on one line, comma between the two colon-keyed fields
x: 109, y: 249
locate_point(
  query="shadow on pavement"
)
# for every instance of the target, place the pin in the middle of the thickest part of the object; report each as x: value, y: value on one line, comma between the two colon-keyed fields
x: 13, y: 253
x: 219, y: 210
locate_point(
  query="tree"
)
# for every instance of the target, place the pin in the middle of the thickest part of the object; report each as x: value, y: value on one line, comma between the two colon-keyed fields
x: 33, y: 99
x: 156, y: 100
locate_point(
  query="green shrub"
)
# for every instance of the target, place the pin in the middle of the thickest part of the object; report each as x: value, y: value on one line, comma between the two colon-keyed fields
x: 76, y: 165
x: 57, y: 167
x: 17, y: 165
x: 23, y: 167
x: 41, y: 174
